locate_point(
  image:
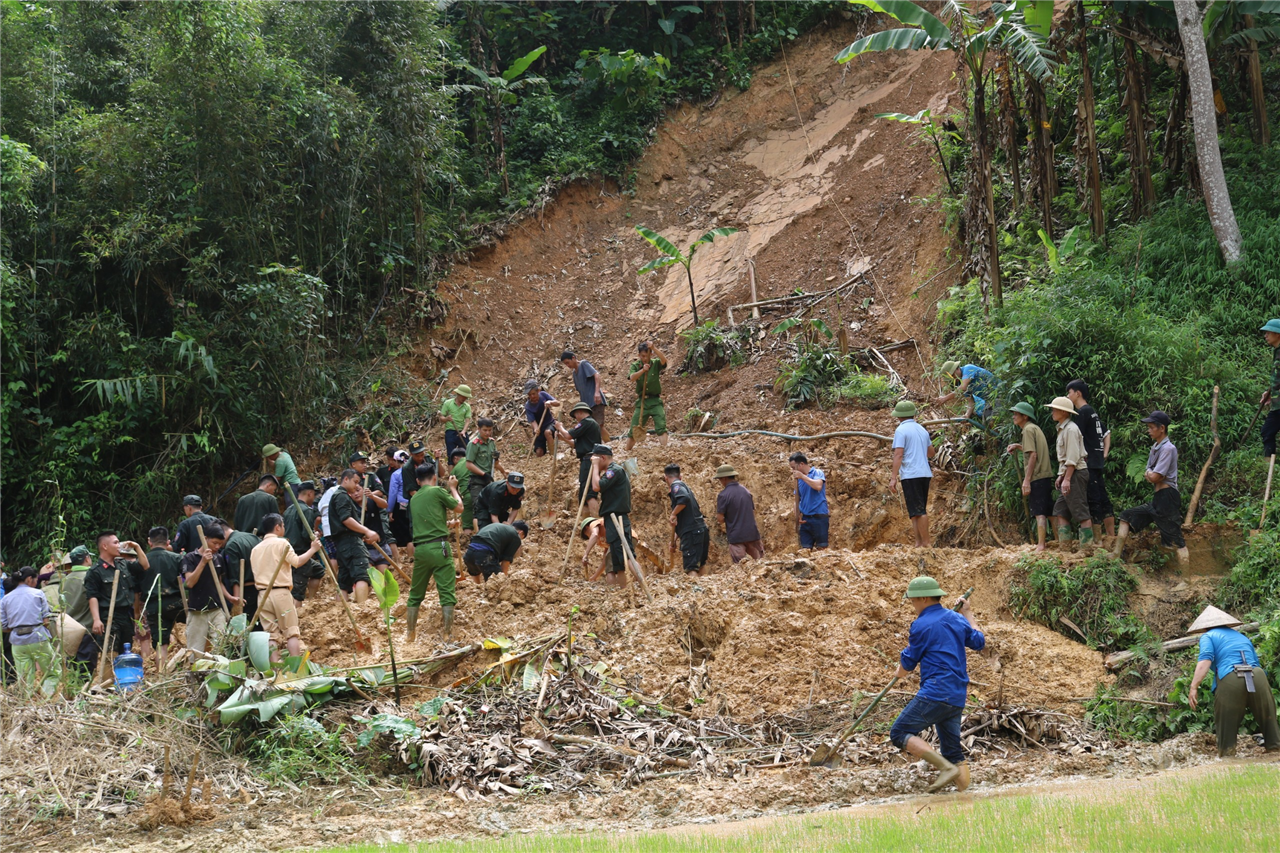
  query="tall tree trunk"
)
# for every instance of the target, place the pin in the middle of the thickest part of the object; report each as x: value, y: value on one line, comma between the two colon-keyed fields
x: 1008, y: 125
x: 1205, y: 125
x: 1172, y: 152
x: 986, y: 192
x: 1086, y: 132
x: 1261, y: 132
x: 1042, y: 167
x: 1144, y: 192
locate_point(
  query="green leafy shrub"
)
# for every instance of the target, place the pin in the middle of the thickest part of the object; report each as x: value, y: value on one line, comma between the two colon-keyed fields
x: 710, y: 346
x: 870, y: 390
x: 299, y: 749
x: 1254, y: 581
x: 1093, y: 595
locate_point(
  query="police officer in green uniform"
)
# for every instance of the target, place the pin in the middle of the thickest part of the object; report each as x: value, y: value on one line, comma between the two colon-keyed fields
x: 98, y: 583
x: 458, y: 462
x: 686, y: 518
x: 585, y: 436
x: 161, y: 598
x: 255, y: 506
x: 350, y: 536
x: 645, y: 373
x: 493, y: 549
x: 372, y: 501
x: 482, y: 460
x: 611, y: 481
x: 235, y: 553
x: 297, y: 529
x: 500, y: 502
x: 185, y: 538
x: 1271, y: 426
x: 429, y: 511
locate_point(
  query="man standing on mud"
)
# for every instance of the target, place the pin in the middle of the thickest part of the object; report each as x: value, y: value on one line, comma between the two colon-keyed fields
x: 736, y: 512
x: 936, y: 644
x: 611, y: 481
x: 585, y: 436
x: 687, y: 522
x: 1037, y: 474
x: 1073, y: 474
x: 1240, y: 684
x: 1165, y: 508
x: 482, y: 459
x: 912, y: 450
x: 586, y: 380
x: 432, y: 558
x: 646, y: 373
x: 1097, y: 447
x: 253, y: 507
x: 813, y: 516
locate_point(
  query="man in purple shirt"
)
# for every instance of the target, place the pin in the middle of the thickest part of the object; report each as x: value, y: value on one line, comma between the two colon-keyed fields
x: 539, y: 412
x: 1165, y: 507
x: 736, y: 510
x: 937, y: 644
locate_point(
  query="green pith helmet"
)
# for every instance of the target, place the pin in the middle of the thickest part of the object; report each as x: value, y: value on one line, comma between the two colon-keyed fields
x: 1271, y: 326
x: 904, y: 409
x: 1024, y: 408
x: 924, y: 587
x: 950, y: 367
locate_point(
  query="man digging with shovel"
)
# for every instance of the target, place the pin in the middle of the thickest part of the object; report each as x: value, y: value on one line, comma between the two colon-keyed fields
x: 936, y: 643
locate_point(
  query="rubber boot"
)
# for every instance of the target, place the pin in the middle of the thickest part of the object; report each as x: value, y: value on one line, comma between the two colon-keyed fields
x: 1121, y: 535
x: 1086, y: 536
x: 411, y: 624
x: 1184, y: 558
x: 446, y: 621
x: 962, y: 781
x: 1064, y: 533
x: 947, y: 772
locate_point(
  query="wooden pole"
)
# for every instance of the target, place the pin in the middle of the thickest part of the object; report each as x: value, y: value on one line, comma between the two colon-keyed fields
x: 361, y: 643
x: 1266, y: 495
x: 217, y: 581
x: 1213, y: 454
x: 111, y: 618
x: 1113, y: 661
x: 632, y: 563
x: 240, y: 606
x: 573, y: 531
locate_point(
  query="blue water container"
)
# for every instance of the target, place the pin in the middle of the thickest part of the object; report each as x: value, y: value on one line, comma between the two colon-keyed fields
x: 128, y: 670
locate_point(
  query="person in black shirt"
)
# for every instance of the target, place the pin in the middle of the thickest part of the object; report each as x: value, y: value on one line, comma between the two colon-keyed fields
x: 500, y: 502
x: 161, y: 599
x: 585, y: 436
x: 298, y: 530
x: 611, y: 481
x: 185, y: 537
x: 98, y: 587
x: 350, y: 536
x: 1097, y: 446
x: 257, y: 505
x: 690, y: 526
x: 371, y: 501
x: 202, y: 572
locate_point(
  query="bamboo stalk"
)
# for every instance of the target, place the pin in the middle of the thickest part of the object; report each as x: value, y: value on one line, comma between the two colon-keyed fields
x: 1213, y: 454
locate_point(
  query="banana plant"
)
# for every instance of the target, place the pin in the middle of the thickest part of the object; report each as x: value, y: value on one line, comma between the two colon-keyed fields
x: 502, y: 90
x: 387, y: 590
x: 973, y: 37
x: 672, y: 255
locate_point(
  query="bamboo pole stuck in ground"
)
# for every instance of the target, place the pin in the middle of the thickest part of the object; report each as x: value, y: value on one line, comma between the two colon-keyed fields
x: 106, y: 634
x: 632, y: 562
x: 1213, y: 454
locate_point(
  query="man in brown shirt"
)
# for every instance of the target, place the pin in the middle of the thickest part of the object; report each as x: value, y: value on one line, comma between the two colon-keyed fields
x: 273, y: 561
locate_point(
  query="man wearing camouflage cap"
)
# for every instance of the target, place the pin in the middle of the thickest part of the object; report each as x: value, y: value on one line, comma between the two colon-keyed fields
x: 937, y: 644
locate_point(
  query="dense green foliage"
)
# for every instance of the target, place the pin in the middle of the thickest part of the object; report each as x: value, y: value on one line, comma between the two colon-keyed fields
x: 1092, y: 595
x: 221, y: 218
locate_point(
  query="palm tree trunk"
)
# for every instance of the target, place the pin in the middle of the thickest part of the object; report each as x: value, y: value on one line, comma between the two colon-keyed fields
x: 1203, y: 121
x: 1144, y: 191
x: 1009, y: 126
x: 1086, y: 133
x: 1261, y: 132
x: 982, y: 161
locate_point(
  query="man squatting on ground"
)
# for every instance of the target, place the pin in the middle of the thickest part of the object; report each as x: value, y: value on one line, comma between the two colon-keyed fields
x: 912, y: 450
x: 430, y: 509
x: 937, y: 644
x: 1240, y: 683
x: 1165, y: 507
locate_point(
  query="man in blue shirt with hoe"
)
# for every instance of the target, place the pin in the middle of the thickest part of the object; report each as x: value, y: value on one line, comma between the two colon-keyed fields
x: 1240, y: 682
x: 937, y: 644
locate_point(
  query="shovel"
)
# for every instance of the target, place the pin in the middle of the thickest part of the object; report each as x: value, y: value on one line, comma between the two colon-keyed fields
x: 829, y: 755
x: 548, y: 519
x: 361, y: 645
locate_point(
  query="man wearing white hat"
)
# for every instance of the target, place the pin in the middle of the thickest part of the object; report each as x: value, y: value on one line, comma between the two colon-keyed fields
x: 1240, y: 682
x: 1073, y: 473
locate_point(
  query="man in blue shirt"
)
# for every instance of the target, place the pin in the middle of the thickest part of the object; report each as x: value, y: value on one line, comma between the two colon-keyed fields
x: 813, y: 517
x: 936, y: 643
x: 912, y: 450
x: 1240, y: 682
x: 976, y: 385
x: 539, y: 412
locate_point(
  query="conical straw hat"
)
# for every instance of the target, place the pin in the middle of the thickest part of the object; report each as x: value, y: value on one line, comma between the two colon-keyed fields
x: 1212, y: 617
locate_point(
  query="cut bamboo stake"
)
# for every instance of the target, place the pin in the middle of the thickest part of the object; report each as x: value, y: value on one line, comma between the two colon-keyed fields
x: 1213, y: 454
x: 755, y: 309
x: 632, y: 562
x: 240, y: 607
x: 573, y: 531
x: 191, y: 781
x: 1266, y: 494
x: 217, y: 581
x: 362, y: 645
x: 111, y: 618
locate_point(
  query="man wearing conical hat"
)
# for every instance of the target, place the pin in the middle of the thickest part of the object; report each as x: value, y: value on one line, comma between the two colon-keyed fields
x: 1240, y: 682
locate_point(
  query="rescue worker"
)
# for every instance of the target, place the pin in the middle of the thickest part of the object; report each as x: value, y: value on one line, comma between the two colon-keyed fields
x: 25, y: 613
x: 492, y: 550
x: 429, y: 510
x: 687, y: 523
x: 1165, y: 506
x: 273, y: 563
x: 456, y: 412
x: 1073, y: 473
x: 285, y: 471
x: 161, y: 598
x: 308, y: 576
x: 251, y: 508
x: 975, y: 384
x: 185, y: 537
x: 482, y: 460
x: 1037, y: 469
x: 611, y: 481
x: 1271, y: 425
x: 585, y: 435
x: 646, y: 373
x: 500, y: 502
x: 912, y: 450
x: 736, y: 512
x: 350, y: 537
x: 112, y: 555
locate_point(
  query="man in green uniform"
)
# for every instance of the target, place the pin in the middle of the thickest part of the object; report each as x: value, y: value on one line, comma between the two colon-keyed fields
x: 185, y: 538
x: 687, y: 522
x: 455, y: 413
x: 611, y: 481
x: 98, y: 588
x: 1271, y: 425
x: 297, y: 529
x: 493, y: 549
x: 482, y: 460
x: 237, y: 560
x: 350, y: 536
x: 585, y: 436
x: 458, y: 465
x: 645, y: 373
x: 253, y: 507
x: 429, y: 511
x: 500, y: 502
x: 161, y: 598
x: 286, y: 472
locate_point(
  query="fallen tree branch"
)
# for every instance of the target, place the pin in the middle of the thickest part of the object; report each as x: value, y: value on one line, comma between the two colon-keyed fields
x: 846, y: 434
x: 1213, y: 454
x: 1113, y: 661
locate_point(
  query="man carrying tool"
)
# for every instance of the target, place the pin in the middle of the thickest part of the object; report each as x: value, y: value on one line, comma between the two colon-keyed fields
x: 432, y: 558
x: 1165, y: 507
x: 736, y: 512
x: 309, y: 574
x: 586, y: 381
x: 202, y: 573
x: 646, y: 373
x: 687, y: 521
x: 456, y: 412
x: 286, y: 472
x: 350, y: 536
x: 500, y: 502
x: 611, y: 481
x: 912, y: 450
x: 813, y: 517
x: 539, y: 413
x: 936, y: 643
x: 1240, y: 683
x: 185, y: 537
x: 236, y: 560
x: 25, y: 613
x: 371, y: 502
x: 493, y: 549
x: 482, y: 460
x: 1073, y: 474
x: 458, y: 467
x: 976, y: 386
x: 1097, y: 447
x: 251, y: 508
x: 273, y: 563
x: 98, y: 588
x: 1037, y: 471
x: 161, y: 599
x: 585, y: 436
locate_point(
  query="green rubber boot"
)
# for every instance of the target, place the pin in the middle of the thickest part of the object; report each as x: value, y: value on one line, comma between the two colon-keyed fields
x: 1064, y: 534
x: 411, y: 624
x: 446, y: 622
x: 1086, y: 536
